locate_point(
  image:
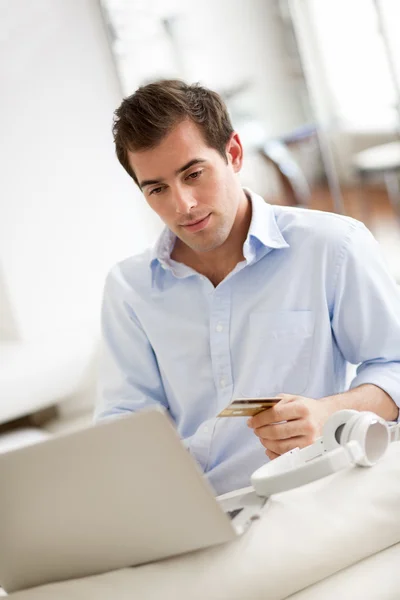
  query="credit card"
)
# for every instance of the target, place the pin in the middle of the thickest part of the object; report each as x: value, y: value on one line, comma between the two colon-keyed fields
x: 248, y: 407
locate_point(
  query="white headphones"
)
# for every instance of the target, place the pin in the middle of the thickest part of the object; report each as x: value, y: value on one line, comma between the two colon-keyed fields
x: 348, y: 438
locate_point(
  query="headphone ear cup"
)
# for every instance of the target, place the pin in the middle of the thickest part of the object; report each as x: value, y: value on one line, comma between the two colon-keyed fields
x: 372, y: 434
x: 332, y: 432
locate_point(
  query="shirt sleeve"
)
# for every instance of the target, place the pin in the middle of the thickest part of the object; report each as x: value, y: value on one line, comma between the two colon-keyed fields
x: 128, y: 379
x: 366, y: 314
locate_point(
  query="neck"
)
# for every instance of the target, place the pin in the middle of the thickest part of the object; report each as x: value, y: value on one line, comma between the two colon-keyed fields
x: 218, y: 263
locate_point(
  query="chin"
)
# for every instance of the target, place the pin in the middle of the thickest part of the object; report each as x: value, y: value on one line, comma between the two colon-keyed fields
x: 205, y: 241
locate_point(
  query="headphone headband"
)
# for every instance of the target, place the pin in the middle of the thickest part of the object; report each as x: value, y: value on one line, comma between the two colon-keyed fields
x: 349, y: 437
x: 324, y: 465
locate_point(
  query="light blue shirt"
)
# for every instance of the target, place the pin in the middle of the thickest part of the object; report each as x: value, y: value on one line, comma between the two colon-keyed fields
x: 311, y: 296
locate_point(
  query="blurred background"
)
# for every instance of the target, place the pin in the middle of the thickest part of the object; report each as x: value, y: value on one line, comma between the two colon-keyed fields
x: 312, y: 86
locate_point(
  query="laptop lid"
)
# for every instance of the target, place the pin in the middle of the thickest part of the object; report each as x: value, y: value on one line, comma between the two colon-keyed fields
x: 121, y: 493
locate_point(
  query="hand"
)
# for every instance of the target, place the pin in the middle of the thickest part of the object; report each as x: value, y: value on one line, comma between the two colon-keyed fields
x: 294, y: 422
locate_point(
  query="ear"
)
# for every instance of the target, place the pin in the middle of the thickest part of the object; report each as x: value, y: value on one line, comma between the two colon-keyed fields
x: 234, y: 152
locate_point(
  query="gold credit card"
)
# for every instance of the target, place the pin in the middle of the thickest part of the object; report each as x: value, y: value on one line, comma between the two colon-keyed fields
x: 248, y: 407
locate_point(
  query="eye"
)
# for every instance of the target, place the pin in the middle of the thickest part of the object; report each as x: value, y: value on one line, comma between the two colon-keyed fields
x: 195, y: 175
x: 156, y: 191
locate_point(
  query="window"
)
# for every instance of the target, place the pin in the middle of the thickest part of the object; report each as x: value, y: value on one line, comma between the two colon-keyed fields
x: 354, y: 60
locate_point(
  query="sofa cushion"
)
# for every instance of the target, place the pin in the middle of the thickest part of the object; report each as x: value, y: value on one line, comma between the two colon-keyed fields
x: 35, y: 375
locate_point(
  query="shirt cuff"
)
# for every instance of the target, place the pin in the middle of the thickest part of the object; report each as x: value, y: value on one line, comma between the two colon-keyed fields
x: 385, y: 376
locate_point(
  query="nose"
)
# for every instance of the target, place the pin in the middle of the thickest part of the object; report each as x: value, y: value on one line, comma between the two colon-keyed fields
x: 184, y: 201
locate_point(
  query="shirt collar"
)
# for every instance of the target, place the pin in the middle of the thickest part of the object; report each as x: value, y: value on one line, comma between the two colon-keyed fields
x: 263, y: 228
x: 263, y: 225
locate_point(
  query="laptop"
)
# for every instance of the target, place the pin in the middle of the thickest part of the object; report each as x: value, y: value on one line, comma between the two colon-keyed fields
x: 121, y: 493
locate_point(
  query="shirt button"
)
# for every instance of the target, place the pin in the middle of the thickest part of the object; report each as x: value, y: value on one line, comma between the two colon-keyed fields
x: 222, y: 383
x: 219, y: 328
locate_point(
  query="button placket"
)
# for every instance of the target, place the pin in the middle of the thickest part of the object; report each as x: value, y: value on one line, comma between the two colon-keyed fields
x: 220, y: 309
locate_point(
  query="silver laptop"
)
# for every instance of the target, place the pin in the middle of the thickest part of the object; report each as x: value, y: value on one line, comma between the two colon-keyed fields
x: 121, y: 493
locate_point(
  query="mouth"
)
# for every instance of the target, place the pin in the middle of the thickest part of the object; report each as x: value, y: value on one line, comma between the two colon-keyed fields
x: 198, y: 224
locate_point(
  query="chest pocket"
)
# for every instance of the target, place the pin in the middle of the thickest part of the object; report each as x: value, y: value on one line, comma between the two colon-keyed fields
x: 281, y: 346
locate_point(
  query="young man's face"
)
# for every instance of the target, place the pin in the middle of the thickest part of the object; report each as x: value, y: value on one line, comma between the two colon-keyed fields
x: 190, y: 186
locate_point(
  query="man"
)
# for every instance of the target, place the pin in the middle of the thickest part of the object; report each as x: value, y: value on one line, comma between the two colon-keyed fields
x: 238, y: 298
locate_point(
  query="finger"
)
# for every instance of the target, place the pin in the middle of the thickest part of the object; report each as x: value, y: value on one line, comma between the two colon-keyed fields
x: 282, y: 431
x: 271, y: 455
x: 282, y: 446
x: 287, y: 397
x: 285, y: 410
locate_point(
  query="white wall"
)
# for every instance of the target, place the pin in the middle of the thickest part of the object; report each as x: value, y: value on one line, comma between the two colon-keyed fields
x: 220, y: 43
x: 233, y: 41
x: 67, y: 208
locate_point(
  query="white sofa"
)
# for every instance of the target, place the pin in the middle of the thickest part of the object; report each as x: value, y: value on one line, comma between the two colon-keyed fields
x: 335, y: 538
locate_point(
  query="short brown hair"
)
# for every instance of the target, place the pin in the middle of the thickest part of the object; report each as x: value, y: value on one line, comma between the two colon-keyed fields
x: 146, y: 117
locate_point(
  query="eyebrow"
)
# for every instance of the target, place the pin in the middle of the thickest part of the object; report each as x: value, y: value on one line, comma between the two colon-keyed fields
x: 194, y: 161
